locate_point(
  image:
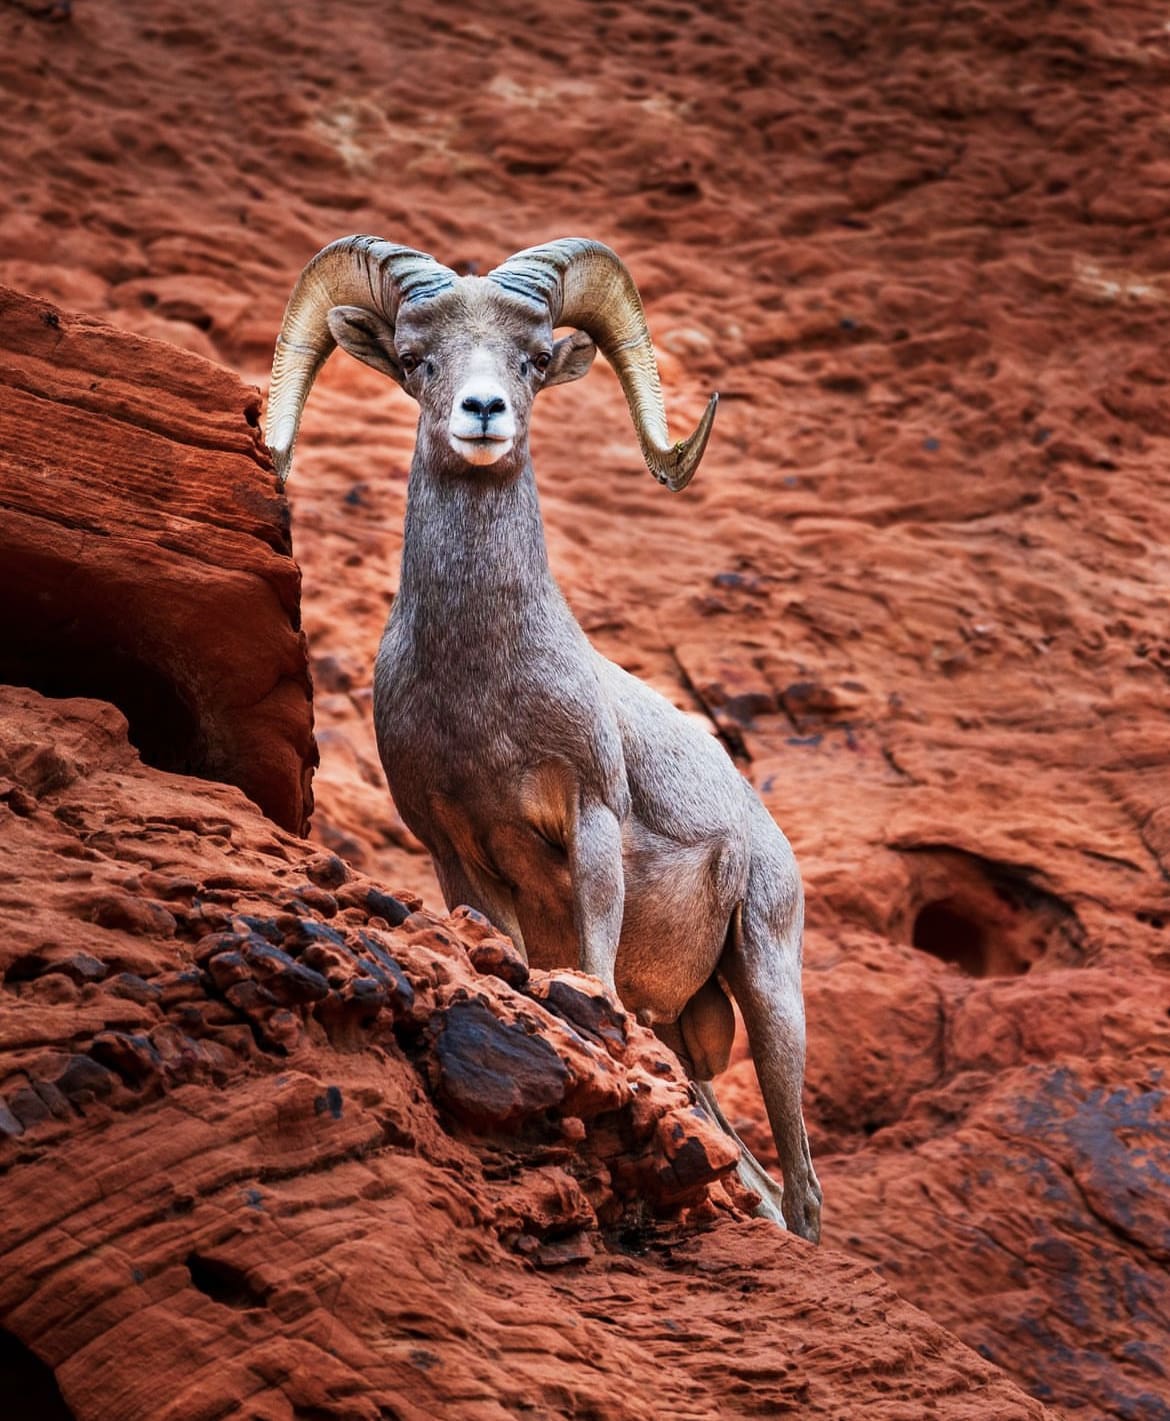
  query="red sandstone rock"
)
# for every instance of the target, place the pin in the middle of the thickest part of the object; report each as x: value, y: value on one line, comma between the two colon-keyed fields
x: 307, y: 1163
x: 144, y: 553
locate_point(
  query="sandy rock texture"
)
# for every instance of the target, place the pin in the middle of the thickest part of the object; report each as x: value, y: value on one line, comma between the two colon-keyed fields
x: 919, y: 586
x: 145, y: 554
x: 316, y: 1151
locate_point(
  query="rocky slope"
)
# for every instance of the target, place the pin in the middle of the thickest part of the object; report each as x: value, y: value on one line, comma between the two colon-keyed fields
x: 276, y: 1128
x: 919, y: 586
x: 276, y: 1143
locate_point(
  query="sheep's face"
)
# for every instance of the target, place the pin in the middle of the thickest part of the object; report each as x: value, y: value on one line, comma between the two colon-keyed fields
x: 474, y: 358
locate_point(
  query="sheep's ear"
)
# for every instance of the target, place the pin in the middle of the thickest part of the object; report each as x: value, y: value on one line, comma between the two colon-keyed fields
x: 366, y: 335
x: 572, y: 356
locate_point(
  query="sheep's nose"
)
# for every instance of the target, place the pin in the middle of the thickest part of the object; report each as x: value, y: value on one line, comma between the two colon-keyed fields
x: 484, y: 408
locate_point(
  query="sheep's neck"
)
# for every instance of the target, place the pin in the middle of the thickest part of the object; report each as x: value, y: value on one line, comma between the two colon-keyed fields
x: 474, y: 563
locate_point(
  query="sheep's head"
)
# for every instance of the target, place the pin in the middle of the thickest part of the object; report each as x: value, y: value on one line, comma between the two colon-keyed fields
x: 474, y: 351
x: 474, y: 357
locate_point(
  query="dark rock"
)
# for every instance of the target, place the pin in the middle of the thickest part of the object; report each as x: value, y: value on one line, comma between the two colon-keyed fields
x: 133, y: 1056
x: 592, y: 1014
x: 560, y: 1253
x: 227, y: 968
x: 53, y: 1098
x: 308, y: 896
x: 19, y: 801
x: 689, y: 1170
x: 84, y: 1078
x: 386, y: 906
x: 28, y: 1107
x: 366, y: 992
x: 327, y: 870
x: 289, y: 981
x: 214, y: 943
x: 263, y: 927
x: 177, y: 987
x: 298, y: 932
x: 330, y: 1103
x: 10, y: 1124
x: 127, y: 913
x: 496, y: 957
x: 134, y: 988
x: 386, y: 970
x: 492, y: 1074
x: 79, y: 967
x: 297, y: 985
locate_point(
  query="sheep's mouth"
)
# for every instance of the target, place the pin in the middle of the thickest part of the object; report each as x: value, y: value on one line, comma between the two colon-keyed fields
x: 481, y: 448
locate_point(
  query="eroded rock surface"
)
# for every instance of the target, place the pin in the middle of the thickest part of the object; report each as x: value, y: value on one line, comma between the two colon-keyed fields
x: 145, y: 554
x: 314, y: 1150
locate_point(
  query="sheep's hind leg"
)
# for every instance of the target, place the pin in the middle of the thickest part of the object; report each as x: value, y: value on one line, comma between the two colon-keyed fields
x: 595, y: 867
x: 762, y: 967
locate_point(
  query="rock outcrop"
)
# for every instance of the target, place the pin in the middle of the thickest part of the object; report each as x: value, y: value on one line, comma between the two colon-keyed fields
x: 278, y: 1142
x: 145, y: 555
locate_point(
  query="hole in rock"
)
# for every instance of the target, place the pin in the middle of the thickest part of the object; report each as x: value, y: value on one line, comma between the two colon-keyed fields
x: 162, y: 726
x: 948, y: 934
x: 224, y: 1282
x: 27, y: 1385
x: 987, y: 918
x: 25, y: 969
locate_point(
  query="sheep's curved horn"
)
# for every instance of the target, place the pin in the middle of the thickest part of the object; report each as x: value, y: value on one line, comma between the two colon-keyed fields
x: 586, y: 284
x: 353, y: 271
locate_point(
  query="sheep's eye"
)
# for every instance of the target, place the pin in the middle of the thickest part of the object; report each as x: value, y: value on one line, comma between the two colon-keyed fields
x: 408, y: 362
x: 542, y: 360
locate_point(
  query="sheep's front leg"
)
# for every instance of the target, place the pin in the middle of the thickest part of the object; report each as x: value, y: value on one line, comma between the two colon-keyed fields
x: 599, y: 889
x: 497, y: 907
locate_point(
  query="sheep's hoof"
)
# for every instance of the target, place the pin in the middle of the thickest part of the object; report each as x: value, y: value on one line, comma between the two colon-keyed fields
x: 766, y: 1209
x: 759, y: 1181
x: 805, y: 1212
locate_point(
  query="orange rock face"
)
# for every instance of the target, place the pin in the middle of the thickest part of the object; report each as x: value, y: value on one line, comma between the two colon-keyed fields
x: 315, y: 1150
x: 919, y: 587
x: 144, y: 554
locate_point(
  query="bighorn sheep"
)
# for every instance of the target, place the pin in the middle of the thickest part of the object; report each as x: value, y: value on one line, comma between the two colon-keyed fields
x: 576, y: 808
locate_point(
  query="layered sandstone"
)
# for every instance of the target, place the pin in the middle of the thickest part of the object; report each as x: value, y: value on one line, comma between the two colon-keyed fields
x: 145, y: 554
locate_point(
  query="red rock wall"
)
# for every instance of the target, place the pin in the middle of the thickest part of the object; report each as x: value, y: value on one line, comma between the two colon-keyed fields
x: 145, y: 554
x: 920, y: 581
